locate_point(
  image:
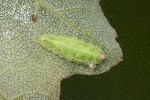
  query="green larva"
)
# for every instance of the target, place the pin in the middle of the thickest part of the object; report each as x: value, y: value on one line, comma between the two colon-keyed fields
x: 73, y: 49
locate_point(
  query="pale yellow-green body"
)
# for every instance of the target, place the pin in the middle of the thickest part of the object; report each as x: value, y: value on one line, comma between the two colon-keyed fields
x: 73, y: 49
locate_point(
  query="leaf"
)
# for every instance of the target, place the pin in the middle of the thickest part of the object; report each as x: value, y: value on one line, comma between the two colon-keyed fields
x: 27, y: 70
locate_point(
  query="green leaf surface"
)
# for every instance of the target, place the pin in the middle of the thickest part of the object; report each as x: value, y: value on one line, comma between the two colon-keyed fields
x: 30, y: 72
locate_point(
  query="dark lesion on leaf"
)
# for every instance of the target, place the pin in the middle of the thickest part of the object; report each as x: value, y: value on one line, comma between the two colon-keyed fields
x: 34, y: 18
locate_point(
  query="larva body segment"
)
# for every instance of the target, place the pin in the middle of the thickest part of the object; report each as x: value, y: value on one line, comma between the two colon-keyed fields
x: 73, y: 49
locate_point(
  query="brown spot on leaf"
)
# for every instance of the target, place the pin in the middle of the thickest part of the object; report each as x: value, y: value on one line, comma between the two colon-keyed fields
x: 34, y: 18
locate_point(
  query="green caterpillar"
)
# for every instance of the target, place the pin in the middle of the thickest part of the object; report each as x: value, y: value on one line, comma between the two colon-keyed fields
x: 73, y: 49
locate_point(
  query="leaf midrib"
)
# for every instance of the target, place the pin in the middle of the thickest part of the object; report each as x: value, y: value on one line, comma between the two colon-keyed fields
x: 51, y: 10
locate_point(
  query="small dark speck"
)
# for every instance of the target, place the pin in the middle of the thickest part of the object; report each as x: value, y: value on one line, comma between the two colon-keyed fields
x: 34, y: 18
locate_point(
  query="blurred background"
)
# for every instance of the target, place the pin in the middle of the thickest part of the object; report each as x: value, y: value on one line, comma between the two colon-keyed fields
x: 130, y: 79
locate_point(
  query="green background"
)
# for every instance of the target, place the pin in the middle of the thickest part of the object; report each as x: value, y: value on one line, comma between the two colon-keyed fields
x: 130, y: 79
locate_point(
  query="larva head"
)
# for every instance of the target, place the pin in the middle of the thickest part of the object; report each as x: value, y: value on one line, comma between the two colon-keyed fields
x: 42, y: 40
x: 47, y: 41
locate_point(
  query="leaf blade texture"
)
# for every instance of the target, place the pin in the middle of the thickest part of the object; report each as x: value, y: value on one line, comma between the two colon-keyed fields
x: 29, y: 72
